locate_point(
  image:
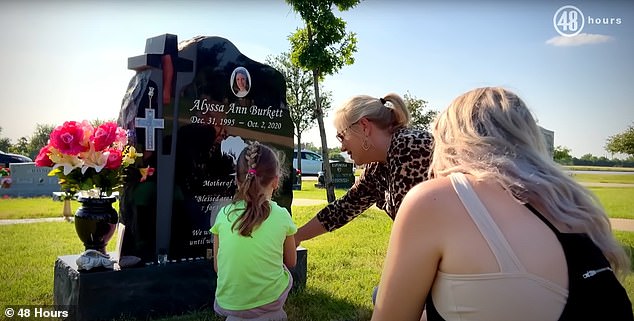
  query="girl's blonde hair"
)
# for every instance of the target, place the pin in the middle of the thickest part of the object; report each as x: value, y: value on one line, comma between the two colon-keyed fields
x: 257, y: 167
x: 388, y: 112
x: 490, y: 133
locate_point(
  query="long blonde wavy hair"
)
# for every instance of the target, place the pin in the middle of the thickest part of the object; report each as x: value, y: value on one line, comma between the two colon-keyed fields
x: 490, y: 133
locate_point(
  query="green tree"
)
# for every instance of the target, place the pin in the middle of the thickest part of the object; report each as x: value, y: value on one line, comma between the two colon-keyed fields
x: 97, y: 122
x: 622, y: 143
x: 39, y: 139
x: 311, y: 147
x: 21, y: 147
x: 420, y: 117
x: 588, y: 157
x: 336, y: 156
x: 562, y: 155
x: 323, y: 46
x: 5, y: 142
x: 300, y: 96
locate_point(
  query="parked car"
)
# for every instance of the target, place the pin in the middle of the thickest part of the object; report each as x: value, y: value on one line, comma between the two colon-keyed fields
x: 312, y: 162
x: 8, y: 158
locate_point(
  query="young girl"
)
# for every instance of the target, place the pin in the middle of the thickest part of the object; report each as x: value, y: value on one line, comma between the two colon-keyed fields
x: 253, y: 240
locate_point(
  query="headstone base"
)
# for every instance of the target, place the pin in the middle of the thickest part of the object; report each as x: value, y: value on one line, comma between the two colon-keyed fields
x: 142, y: 292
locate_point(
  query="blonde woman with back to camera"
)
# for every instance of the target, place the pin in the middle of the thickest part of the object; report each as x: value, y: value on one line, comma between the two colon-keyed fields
x: 500, y: 232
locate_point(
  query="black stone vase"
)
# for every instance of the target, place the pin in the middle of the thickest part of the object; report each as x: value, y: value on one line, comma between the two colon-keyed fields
x: 96, y: 221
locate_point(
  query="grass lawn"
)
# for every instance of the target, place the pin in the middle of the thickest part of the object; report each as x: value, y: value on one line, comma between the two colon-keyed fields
x: 343, y: 266
x: 605, y: 178
x: 617, y: 201
x: 34, y: 207
x: 309, y: 191
x: 599, y: 168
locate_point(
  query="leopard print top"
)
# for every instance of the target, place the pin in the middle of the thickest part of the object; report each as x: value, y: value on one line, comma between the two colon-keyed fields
x: 386, y: 183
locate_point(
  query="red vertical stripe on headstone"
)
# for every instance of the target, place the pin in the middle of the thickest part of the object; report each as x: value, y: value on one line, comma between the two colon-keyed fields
x: 168, y: 76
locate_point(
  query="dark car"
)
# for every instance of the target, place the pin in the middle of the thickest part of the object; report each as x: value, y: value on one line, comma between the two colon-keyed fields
x: 8, y: 158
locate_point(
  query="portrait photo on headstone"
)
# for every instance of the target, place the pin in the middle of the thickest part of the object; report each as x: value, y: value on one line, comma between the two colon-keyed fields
x: 240, y: 82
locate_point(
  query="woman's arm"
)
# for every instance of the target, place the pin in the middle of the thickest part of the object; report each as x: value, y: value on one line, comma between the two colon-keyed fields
x: 216, y: 240
x: 309, y: 230
x: 366, y: 191
x: 290, y: 252
x: 413, y: 255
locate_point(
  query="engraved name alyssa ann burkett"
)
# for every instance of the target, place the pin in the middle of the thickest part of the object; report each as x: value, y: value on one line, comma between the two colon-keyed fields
x: 207, y: 113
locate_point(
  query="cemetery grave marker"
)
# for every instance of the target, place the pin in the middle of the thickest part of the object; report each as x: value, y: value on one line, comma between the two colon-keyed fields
x: 29, y: 180
x: 205, y: 125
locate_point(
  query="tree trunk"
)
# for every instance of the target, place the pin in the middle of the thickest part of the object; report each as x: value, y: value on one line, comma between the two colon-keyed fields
x: 330, y: 189
x: 299, y: 156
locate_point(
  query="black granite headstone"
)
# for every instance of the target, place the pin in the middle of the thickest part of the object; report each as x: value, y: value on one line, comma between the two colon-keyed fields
x: 190, y: 109
x: 207, y: 125
x: 342, y: 174
x: 143, y: 292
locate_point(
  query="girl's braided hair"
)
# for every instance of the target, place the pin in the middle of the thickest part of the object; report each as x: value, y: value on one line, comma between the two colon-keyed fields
x: 257, y: 167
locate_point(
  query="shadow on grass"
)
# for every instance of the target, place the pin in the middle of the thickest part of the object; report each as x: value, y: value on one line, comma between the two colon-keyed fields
x: 630, y: 251
x: 311, y: 305
x: 302, y: 305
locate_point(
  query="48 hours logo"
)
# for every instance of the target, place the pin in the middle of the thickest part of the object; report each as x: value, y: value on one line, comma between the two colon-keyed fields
x: 568, y: 21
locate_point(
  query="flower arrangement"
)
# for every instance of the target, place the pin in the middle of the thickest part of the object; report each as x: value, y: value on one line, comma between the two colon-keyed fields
x: 5, y: 177
x: 90, y: 160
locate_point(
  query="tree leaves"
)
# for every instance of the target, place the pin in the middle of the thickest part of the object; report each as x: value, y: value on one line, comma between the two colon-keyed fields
x: 622, y: 142
x: 420, y: 118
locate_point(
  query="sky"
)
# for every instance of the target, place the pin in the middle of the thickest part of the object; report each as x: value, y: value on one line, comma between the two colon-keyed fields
x: 67, y: 60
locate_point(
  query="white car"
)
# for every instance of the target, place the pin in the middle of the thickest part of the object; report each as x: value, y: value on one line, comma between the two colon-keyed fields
x: 311, y: 162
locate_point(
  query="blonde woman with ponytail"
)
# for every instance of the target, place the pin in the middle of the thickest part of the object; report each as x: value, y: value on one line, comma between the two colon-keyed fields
x: 375, y: 132
x: 253, y: 242
x: 500, y: 232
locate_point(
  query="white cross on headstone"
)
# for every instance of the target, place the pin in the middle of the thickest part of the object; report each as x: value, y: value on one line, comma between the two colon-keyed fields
x: 150, y: 124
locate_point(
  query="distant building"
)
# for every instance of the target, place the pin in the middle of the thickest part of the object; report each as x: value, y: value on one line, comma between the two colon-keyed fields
x: 549, y: 138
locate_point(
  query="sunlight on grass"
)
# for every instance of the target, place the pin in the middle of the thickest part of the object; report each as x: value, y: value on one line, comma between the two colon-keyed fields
x: 309, y: 191
x: 599, y: 168
x: 343, y: 266
x: 35, y: 207
x: 617, y: 201
x: 605, y: 178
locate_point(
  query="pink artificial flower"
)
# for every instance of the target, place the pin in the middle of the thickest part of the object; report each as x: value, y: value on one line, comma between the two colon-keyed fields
x: 69, y: 138
x: 42, y: 158
x: 88, y: 131
x: 104, y: 135
x: 114, y: 159
x: 122, y: 137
